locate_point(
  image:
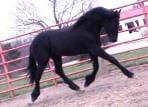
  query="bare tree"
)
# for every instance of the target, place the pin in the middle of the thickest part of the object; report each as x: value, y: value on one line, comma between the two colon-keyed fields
x: 69, y: 9
x: 27, y: 16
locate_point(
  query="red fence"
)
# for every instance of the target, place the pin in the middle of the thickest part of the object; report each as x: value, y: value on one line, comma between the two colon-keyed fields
x: 9, y: 85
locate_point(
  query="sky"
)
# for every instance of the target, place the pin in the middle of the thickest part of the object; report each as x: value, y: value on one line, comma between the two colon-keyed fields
x: 7, y: 9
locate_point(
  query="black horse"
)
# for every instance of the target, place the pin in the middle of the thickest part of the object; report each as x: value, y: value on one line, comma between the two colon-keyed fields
x: 81, y: 38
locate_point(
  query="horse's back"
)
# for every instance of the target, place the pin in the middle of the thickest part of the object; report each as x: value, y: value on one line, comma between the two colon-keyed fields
x: 63, y: 41
x: 70, y: 42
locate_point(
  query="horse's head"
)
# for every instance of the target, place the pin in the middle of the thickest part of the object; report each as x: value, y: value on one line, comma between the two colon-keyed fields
x: 99, y: 17
x: 111, y: 25
x: 108, y: 19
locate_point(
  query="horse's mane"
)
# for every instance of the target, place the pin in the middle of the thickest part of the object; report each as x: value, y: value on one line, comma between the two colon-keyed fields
x: 93, y: 15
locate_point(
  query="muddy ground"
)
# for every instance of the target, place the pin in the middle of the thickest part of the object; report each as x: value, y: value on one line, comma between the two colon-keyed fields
x: 111, y: 89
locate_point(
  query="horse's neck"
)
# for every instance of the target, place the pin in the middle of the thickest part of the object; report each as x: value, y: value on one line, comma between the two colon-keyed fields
x: 89, y: 26
x: 92, y: 29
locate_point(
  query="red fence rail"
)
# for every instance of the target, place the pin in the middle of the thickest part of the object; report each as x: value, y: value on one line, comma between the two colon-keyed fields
x: 8, y: 83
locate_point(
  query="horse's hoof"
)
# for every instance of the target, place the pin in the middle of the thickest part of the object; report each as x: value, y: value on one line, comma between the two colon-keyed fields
x: 130, y: 75
x: 34, y: 96
x: 33, y: 99
x: 74, y: 87
x: 89, y: 80
x: 87, y: 84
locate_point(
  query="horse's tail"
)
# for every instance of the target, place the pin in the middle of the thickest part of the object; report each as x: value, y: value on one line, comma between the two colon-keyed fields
x: 32, y: 67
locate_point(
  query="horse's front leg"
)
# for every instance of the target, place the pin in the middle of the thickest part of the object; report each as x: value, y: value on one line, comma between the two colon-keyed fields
x: 58, y: 69
x: 91, y: 77
x: 100, y: 52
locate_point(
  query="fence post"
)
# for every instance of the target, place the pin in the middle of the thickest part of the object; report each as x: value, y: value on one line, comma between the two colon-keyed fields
x: 8, y: 79
x: 146, y: 12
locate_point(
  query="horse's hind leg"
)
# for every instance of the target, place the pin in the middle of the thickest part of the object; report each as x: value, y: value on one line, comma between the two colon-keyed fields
x: 91, y: 77
x: 58, y: 69
x: 41, y: 66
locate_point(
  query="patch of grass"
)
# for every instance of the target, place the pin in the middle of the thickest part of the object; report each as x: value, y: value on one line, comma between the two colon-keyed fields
x: 3, y: 87
x: 4, y: 96
x: 131, y: 54
x: 131, y: 63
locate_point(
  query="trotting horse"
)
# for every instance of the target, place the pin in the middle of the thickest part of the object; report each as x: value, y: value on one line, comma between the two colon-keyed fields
x: 80, y: 38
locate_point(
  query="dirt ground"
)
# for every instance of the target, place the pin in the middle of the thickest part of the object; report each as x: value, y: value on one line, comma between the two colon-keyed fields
x: 111, y: 89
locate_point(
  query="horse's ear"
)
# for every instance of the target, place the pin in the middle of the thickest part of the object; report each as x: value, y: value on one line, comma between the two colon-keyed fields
x: 117, y: 12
